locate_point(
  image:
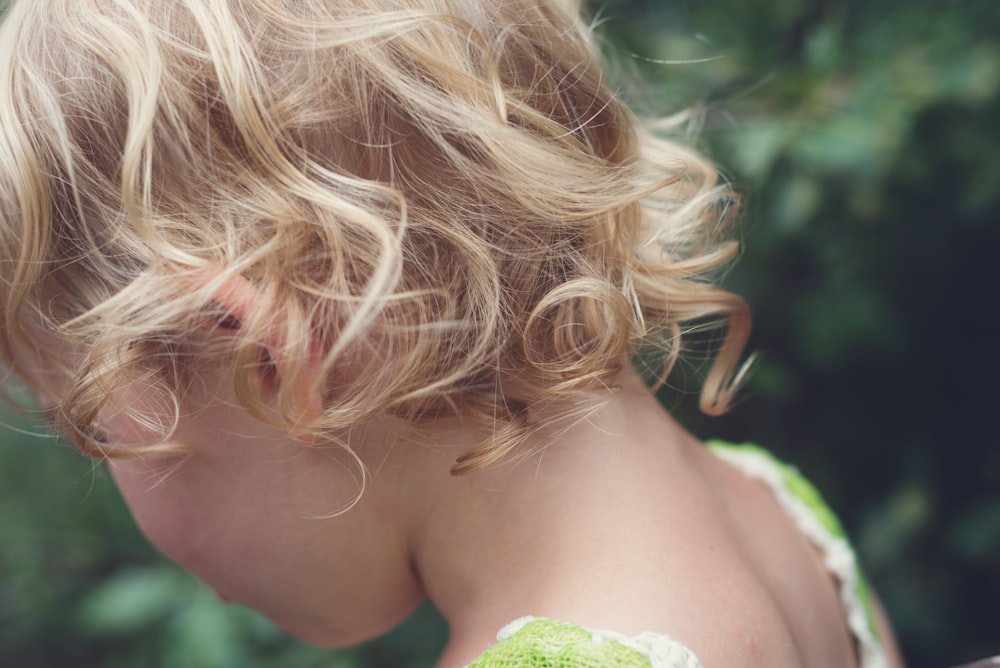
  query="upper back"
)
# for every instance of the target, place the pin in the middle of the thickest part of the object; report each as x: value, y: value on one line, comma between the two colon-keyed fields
x: 631, y: 525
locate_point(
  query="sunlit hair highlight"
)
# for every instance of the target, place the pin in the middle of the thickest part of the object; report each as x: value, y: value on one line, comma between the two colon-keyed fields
x: 444, y: 194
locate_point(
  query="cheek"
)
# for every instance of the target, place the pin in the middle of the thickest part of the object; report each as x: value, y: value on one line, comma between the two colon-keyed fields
x: 165, y: 509
x: 199, y: 519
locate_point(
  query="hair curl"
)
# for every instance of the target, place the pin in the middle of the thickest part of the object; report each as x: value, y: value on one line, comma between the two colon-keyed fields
x: 446, y: 193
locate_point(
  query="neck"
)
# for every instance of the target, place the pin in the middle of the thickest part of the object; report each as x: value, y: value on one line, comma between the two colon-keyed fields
x: 491, y: 546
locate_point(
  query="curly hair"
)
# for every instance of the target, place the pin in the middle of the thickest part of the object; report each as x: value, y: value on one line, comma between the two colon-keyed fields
x: 445, y: 193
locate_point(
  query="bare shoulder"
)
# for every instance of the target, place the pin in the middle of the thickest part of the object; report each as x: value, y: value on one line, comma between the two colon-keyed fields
x: 631, y: 527
x: 708, y: 557
x: 656, y: 547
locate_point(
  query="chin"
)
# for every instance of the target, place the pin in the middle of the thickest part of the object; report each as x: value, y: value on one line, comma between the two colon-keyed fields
x: 328, y: 638
x: 352, y: 630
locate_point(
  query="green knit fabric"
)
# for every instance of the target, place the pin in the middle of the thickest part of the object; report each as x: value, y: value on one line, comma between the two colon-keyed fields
x: 546, y: 643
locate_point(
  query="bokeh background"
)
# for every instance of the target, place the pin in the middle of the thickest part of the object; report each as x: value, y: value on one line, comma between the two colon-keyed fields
x: 864, y: 136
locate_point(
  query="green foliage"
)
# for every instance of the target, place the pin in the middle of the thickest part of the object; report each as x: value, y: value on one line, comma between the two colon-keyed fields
x: 863, y: 137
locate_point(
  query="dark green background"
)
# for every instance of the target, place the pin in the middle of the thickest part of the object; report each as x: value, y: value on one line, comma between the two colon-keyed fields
x: 864, y: 138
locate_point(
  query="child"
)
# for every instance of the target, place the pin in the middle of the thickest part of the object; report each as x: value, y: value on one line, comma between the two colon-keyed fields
x: 345, y: 291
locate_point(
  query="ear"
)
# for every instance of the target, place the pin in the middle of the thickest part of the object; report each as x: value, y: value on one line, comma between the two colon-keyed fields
x: 239, y: 298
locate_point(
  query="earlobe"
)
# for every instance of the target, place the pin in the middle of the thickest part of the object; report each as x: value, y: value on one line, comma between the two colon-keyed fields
x: 239, y: 298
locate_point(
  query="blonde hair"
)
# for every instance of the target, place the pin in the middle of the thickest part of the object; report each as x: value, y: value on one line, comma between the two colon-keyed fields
x: 445, y: 193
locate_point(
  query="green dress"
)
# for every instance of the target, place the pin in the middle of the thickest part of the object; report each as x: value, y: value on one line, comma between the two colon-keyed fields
x: 546, y: 643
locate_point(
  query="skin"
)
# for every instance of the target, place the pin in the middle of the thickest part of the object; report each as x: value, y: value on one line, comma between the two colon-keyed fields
x: 620, y: 520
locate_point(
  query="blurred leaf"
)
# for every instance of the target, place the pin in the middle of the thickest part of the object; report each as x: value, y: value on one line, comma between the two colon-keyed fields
x: 977, y: 535
x: 890, y: 527
x: 132, y: 599
x: 755, y: 147
x: 837, y: 325
x: 772, y: 379
x: 796, y: 204
x: 205, y: 634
